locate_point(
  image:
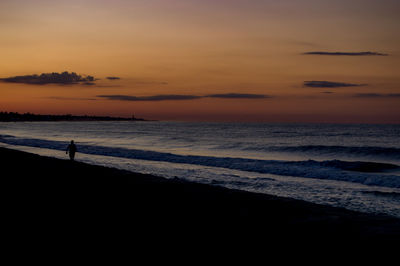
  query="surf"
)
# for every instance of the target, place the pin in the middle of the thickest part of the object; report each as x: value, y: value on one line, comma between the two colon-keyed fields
x: 367, y: 173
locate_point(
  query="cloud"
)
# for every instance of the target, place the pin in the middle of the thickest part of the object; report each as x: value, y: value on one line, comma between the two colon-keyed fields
x: 376, y: 95
x: 168, y: 97
x: 239, y: 96
x: 113, y: 78
x: 64, y: 78
x: 88, y: 83
x: 175, y: 97
x: 147, y: 82
x: 72, y: 98
x: 346, y: 53
x: 329, y: 84
x: 107, y: 86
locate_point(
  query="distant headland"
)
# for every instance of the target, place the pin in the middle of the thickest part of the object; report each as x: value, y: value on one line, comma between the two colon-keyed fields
x: 28, y: 117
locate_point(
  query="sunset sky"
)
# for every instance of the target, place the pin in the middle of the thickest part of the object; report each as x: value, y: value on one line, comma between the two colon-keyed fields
x: 208, y: 60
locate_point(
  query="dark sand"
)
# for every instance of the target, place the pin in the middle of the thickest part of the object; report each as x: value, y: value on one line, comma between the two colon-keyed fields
x: 60, y: 201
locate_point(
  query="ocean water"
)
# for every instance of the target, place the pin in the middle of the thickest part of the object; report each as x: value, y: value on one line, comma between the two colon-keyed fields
x: 352, y: 166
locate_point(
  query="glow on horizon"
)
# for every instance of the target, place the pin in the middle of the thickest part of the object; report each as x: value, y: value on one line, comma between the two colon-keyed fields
x: 177, y: 47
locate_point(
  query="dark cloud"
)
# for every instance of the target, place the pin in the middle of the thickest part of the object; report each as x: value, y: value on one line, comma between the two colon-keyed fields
x: 376, y: 95
x: 88, y: 83
x: 346, y: 53
x: 329, y: 84
x: 239, y: 96
x: 169, y: 97
x: 182, y: 97
x: 72, y: 98
x: 64, y: 78
x: 113, y: 78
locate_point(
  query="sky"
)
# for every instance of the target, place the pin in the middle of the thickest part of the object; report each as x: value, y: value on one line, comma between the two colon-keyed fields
x: 190, y: 60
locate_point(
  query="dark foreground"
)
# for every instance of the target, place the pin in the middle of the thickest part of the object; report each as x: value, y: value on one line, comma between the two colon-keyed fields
x: 60, y: 201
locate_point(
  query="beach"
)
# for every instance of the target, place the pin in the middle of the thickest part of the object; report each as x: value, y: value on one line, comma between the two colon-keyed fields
x: 61, y: 199
x: 200, y: 125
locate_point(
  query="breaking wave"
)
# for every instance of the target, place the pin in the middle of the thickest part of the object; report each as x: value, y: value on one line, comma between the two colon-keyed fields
x: 367, y: 173
x: 380, y: 152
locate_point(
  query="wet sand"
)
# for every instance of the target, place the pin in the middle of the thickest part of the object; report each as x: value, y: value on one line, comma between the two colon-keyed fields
x: 60, y: 200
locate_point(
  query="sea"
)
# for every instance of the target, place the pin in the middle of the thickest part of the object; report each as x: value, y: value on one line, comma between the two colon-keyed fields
x: 353, y: 166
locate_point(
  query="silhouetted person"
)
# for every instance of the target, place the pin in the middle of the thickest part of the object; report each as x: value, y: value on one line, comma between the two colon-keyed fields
x: 71, y: 149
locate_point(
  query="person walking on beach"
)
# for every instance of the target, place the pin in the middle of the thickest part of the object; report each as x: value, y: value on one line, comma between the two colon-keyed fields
x: 71, y: 149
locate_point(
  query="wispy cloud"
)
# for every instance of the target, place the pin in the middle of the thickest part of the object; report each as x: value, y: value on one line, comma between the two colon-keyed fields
x: 178, y: 97
x: 329, y: 84
x: 147, y: 82
x: 168, y: 97
x: 72, y: 98
x: 346, y: 53
x: 64, y: 78
x: 88, y: 83
x: 239, y: 96
x: 376, y: 95
x: 113, y: 78
x: 107, y: 86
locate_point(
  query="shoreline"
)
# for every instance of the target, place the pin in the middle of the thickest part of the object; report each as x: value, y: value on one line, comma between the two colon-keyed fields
x: 87, y: 198
x: 28, y: 117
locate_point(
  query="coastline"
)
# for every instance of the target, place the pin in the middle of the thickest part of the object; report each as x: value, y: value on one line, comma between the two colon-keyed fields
x: 63, y: 197
x: 28, y: 117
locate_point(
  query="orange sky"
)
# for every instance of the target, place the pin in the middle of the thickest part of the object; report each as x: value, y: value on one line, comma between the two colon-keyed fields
x: 203, y: 48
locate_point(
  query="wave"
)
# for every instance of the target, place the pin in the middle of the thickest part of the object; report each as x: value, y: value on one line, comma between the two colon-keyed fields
x: 367, y: 173
x: 384, y: 194
x: 369, y: 151
x: 368, y: 167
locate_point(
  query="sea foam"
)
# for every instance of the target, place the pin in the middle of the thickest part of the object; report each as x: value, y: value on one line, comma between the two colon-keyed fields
x: 367, y: 173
